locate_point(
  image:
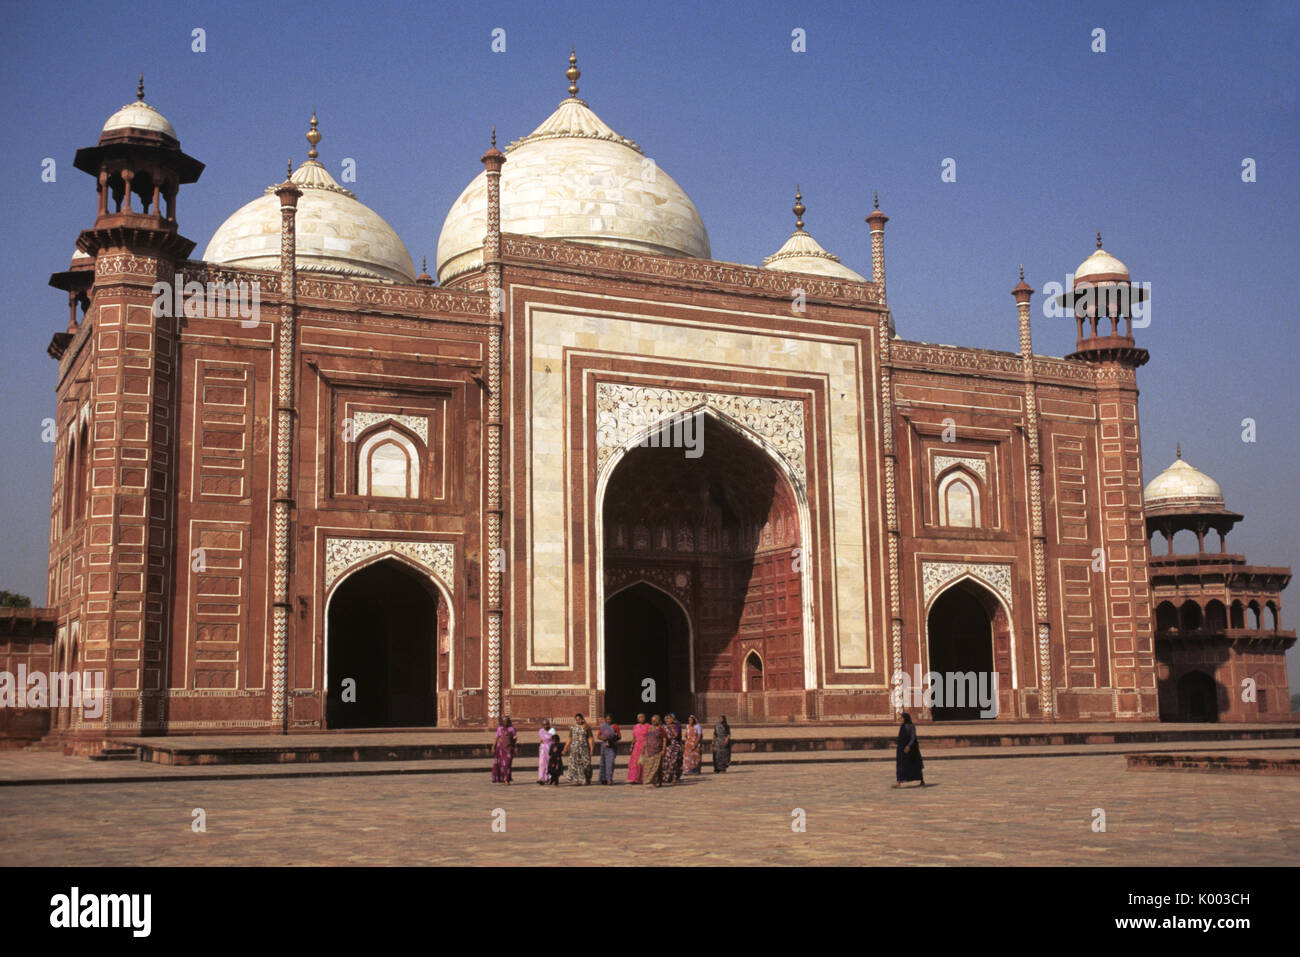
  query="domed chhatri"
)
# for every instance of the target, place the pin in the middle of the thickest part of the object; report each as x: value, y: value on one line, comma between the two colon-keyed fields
x: 1182, y: 488
x: 138, y: 117
x: 803, y: 254
x: 575, y: 178
x: 1101, y: 266
x: 336, y: 233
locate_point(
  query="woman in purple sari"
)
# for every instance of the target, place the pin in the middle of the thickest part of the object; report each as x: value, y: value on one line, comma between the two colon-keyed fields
x: 503, y: 751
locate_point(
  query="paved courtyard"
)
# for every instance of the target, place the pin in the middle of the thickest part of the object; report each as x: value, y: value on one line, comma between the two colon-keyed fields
x: 1008, y: 811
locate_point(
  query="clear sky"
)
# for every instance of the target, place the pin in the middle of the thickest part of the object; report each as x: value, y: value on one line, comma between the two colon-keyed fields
x: 1052, y: 141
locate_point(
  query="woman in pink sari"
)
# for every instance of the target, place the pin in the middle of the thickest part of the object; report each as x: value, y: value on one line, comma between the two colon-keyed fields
x: 503, y: 751
x: 638, y: 742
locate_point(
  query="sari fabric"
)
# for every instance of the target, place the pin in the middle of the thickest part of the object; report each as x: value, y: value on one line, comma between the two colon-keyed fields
x: 907, y: 755
x: 543, y: 754
x: 691, y: 747
x: 634, y: 762
x: 672, y: 753
x: 652, y: 756
x: 579, y: 770
x: 721, y: 746
x: 503, y: 754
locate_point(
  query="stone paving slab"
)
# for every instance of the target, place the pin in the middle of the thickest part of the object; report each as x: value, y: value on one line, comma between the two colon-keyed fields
x: 27, y: 768
x: 1000, y: 810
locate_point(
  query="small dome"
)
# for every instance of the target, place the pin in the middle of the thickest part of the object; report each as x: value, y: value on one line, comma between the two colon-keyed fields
x: 802, y: 253
x: 1101, y: 266
x: 139, y: 116
x: 575, y: 178
x: 334, y: 231
x: 1181, y: 487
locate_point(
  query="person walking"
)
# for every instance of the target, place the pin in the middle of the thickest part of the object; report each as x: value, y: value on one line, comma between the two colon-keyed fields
x: 638, y: 743
x: 908, y: 765
x: 692, y: 745
x: 672, y: 750
x: 609, y: 737
x: 652, y: 753
x: 579, y: 751
x: 503, y: 751
x: 721, y: 745
x: 544, y: 734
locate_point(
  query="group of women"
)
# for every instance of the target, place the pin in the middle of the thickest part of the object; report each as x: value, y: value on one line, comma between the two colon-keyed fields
x: 663, y: 750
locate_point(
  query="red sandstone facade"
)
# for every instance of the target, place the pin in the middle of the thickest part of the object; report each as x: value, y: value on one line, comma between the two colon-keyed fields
x: 865, y: 504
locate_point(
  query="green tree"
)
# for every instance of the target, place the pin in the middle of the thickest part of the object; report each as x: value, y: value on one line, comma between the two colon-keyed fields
x: 11, y: 599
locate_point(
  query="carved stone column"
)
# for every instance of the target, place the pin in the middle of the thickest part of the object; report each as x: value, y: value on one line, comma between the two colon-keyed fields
x: 284, y: 441
x: 493, y: 159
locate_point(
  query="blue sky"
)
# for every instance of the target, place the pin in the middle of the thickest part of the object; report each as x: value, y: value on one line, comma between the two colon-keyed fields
x: 1052, y: 141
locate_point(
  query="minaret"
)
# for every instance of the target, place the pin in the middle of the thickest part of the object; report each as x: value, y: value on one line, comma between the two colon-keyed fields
x: 1037, y: 534
x: 1102, y: 298
x: 493, y: 160
x: 116, y: 408
x: 284, y: 512
x: 876, y: 220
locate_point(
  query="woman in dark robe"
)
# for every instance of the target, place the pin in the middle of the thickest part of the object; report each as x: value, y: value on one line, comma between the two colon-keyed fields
x: 907, y: 755
x: 555, y: 760
x: 673, y: 752
x: 721, y: 745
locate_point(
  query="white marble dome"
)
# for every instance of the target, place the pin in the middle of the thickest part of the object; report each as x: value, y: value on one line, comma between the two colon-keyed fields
x: 801, y: 253
x: 575, y: 178
x: 1101, y: 266
x: 1183, y: 487
x: 139, y: 116
x: 335, y: 233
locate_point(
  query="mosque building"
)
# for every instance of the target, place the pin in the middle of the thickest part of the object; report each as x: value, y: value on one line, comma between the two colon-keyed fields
x: 589, y: 468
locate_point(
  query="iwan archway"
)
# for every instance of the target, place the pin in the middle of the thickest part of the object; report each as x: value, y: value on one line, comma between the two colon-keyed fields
x: 383, y: 666
x: 702, y: 512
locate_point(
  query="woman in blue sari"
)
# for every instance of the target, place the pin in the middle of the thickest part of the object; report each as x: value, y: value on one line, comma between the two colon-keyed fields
x: 907, y: 754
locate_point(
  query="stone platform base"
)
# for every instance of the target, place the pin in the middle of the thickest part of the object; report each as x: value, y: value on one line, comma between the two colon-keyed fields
x: 1279, y: 762
x: 432, y: 746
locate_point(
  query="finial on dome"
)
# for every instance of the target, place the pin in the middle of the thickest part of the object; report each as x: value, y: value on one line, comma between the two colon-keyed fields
x: 573, y: 72
x: 494, y: 136
x: 1179, y: 452
x: 139, y: 90
x: 798, y: 208
x: 288, y: 168
x: 424, y: 264
x: 313, y: 136
x: 1099, y: 239
x: 1022, y: 272
x: 875, y: 199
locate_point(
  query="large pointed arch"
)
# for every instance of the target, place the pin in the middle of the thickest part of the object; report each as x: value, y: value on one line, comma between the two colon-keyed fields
x: 783, y: 467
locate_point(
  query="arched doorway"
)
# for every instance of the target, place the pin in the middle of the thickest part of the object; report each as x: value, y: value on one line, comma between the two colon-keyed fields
x: 1198, y: 697
x: 959, y: 635
x: 647, y: 637
x: 720, y: 526
x: 381, y: 647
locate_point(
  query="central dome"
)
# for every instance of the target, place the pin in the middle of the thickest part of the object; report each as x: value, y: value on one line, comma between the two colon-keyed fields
x: 575, y: 178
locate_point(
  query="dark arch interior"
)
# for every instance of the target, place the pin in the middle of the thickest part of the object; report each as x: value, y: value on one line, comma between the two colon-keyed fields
x: 646, y: 636
x: 961, y: 640
x: 383, y: 624
x: 1198, y: 698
